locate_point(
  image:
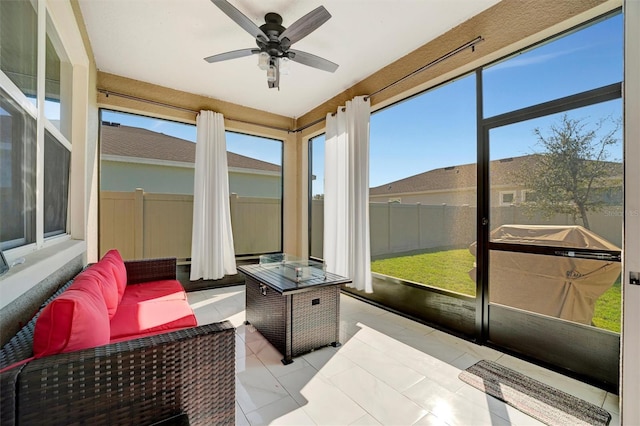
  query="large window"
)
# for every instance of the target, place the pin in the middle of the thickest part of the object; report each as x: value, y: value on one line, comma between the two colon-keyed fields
x: 23, y: 135
x: 155, y: 160
x: 423, y: 188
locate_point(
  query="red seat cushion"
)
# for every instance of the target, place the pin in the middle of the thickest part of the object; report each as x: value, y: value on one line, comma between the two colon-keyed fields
x: 75, y: 320
x: 152, y: 307
x: 156, y: 290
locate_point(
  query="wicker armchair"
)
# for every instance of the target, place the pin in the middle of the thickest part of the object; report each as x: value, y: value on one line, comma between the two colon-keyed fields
x: 139, y: 381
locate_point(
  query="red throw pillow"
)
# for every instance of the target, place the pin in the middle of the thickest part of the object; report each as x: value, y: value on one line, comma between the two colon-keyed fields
x: 119, y: 270
x: 75, y: 320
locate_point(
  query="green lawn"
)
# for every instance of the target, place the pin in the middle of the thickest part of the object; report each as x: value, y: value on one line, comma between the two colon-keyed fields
x: 449, y: 269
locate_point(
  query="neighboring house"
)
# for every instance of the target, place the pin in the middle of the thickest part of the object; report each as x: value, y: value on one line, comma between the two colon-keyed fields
x: 456, y: 185
x: 133, y: 157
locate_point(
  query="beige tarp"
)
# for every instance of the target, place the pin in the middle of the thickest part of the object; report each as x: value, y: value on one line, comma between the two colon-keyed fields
x: 563, y: 287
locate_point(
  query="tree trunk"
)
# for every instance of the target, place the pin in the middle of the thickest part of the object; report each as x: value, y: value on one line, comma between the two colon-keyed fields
x: 583, y: 214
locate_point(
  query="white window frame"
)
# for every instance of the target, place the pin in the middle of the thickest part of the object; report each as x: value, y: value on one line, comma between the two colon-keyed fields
x: 46, y: 255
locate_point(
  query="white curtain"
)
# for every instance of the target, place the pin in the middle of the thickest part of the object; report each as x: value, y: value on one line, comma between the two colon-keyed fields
x: 212, y: 251
x: 346, y: 249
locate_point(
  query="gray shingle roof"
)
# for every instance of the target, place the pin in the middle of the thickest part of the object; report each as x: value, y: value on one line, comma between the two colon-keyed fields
x: 501, y: 172
x: 136, y: 142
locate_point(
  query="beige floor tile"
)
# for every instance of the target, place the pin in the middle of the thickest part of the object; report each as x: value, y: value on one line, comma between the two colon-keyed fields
x: 389, y: 370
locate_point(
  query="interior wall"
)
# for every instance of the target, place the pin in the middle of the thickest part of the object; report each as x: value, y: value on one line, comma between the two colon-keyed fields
x: 630, y: 391
x: 89, y: 169
x: 234, y: 114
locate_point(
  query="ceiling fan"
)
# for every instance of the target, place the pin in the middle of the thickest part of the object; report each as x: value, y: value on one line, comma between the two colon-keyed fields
x: 274, y: 41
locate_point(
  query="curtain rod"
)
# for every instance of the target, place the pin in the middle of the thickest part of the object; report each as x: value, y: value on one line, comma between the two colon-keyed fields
x: 107, y: 93
x: 470, y: 44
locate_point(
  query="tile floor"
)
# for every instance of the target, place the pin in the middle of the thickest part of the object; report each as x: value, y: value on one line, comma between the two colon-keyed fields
x: 388, y: 371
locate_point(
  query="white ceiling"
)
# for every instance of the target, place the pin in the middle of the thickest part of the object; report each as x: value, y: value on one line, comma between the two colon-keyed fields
x: 164, y: 42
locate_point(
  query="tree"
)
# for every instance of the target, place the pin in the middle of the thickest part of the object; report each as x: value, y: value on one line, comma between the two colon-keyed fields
x: 572, y: 173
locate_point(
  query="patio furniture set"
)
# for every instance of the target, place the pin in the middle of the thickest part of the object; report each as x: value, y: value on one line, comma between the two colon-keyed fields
x: 119, y: 344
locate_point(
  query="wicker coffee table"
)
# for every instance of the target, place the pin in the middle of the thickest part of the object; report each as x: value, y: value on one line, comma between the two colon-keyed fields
x: 296, y: 314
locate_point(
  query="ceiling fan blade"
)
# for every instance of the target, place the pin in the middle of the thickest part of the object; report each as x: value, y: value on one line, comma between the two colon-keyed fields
x: 231, y: 55
x: 305, y: 25
x: 239, y: 18
x: 314, y: 61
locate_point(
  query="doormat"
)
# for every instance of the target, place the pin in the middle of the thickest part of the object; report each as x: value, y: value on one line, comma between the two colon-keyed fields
x: 542, y: 402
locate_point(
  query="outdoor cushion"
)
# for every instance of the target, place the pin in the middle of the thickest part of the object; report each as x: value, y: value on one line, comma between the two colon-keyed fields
x: 148, y: 316
x: 101, y: 276
x: 153, y: 290
x: 119, y: 270
x: 75, y: 320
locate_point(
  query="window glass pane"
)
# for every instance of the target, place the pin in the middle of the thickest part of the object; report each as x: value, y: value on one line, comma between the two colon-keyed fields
x: 255, y: 186
x: 57, y: 161
x: 18, y: 41
x: 569, y: 165
x: 423, y: 188
x: 158, y: 157
x: 57, y: 83
x: 316, y: 237
x: 584, y: 291
x: 17, y: 175
x: 567, y: 173
x: 586, y: 59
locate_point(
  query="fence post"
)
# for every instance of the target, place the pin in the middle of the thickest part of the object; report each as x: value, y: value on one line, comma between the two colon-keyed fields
x: 233, y: 206
x: 418, y: 206
x: 138, y: 209
x: 388, y: 226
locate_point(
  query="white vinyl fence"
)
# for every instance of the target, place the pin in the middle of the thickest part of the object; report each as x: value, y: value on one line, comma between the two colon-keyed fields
x: 397, y: 228
x: 146, y: 225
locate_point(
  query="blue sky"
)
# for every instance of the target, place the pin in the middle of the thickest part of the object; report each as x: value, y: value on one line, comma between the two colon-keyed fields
x: 438, y: 128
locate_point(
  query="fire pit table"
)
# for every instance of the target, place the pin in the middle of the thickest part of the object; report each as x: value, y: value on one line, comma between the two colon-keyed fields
x: 294, y: 303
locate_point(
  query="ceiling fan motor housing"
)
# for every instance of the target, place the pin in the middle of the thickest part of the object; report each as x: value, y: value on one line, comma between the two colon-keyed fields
x: 273, y: 28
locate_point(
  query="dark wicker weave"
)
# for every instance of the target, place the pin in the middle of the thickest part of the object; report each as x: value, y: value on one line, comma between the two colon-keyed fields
x: 295, y: 319
x: 140, y: 271
x: 136, y: 382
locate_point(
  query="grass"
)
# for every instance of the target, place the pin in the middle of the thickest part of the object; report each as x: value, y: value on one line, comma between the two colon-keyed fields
x: 449, y: 269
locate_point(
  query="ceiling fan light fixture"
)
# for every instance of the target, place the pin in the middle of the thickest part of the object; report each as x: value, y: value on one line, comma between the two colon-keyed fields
x: 284, y: 66
x: 272, y: 73
x: 263, y: 61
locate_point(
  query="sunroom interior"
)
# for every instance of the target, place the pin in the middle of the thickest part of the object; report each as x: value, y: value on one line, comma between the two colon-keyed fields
x: 469, y: 86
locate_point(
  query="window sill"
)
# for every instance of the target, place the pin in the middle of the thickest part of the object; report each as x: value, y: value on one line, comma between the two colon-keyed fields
x: 36, y: 267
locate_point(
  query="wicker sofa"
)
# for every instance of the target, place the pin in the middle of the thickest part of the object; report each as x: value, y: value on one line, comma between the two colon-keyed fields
x: 171, y: 375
